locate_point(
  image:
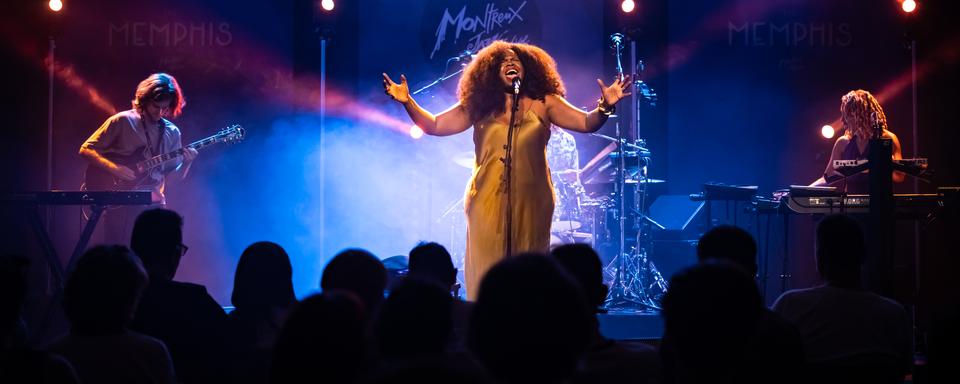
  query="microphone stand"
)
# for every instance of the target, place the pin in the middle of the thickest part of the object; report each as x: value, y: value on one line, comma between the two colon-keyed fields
x: 443, y: 78
x: 508, y: 171
x: 634, y: 271
x: 620, y: 295
x: 437, y: 81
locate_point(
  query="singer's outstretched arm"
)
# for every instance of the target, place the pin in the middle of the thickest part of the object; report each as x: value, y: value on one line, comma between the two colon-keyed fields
x: 565, y: 115
x: 452, y: 121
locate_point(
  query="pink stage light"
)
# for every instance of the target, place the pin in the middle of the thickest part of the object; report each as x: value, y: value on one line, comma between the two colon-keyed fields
x: 327, y: 5
x: 628, y: 6
x: 416, y: 132
x: 827, y: 131
x: 55, y: 5
x: 908, y: 6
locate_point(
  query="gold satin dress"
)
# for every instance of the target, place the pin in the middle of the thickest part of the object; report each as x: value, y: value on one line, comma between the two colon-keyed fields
x: 486, y: 202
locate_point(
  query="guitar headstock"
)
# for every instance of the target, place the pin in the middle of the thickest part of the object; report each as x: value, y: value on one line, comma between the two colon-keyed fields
x: 232, y: 134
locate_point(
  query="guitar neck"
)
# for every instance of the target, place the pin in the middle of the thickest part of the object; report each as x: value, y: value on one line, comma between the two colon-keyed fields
x: 159, y: 160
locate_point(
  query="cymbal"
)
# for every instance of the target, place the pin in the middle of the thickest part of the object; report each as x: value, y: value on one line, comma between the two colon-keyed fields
x: 564, y: 225
x: 614, y: 139
x: 465, y: 159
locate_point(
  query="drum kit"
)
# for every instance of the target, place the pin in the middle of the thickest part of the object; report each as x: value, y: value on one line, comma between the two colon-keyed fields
x: 583, y: 217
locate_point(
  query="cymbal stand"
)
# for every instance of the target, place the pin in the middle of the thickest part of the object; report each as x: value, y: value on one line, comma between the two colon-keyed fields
x: 653, y: 285
x: 620, y: 295
x: 624, y: 292
x: 456, y: 243
x: 637, y: 282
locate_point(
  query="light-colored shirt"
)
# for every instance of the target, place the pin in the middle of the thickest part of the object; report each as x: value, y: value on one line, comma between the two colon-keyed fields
x: 126, y: 133
x: 839, y: 324
x: 562, y: 151
x: 127, y: 357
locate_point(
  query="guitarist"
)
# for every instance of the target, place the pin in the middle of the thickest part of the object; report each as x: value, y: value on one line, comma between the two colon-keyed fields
x: 140, y: 132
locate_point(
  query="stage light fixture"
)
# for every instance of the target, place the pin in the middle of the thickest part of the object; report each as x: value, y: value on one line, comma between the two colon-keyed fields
x: 628, y: 6
x: 827, y: 131
x: 416, y: 132
x: 55, y: 5
x: 327, y: 5
x: 908, y: 6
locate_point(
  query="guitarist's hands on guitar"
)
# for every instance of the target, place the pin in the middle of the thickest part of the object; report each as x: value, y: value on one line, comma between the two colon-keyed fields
x: 189, y: 154
x: 130, y: 172
x: 123, y: 172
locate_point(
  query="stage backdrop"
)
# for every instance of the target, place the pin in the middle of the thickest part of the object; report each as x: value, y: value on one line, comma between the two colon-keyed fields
x: 745, y: 87
x: 387, y: 190
x: 354, y: 178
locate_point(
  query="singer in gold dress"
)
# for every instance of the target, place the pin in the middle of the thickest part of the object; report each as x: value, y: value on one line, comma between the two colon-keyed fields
x: 485, y: 103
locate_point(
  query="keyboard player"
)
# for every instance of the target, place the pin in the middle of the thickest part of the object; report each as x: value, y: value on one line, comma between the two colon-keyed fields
x: 857, y: 111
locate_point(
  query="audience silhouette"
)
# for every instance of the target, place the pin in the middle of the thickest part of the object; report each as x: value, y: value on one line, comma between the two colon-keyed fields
x: 262, y: 297
x: 536, y: 319
x: 182, y: 315
x: 710, y: 314
x: 848, y: 333
x: 322, y: 340
x: 18, y: 363
x: 414, y: 322
x: 530, y: 322
x: 99, y: 299
x: 732, y: 243
x: 359, y: 272
x: 776, y: 345
x: 431, y: 261
x: 606, y: 360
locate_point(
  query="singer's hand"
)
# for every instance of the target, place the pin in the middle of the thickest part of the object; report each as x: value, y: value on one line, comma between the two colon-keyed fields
x: 616, y: 91
x: 399, y: 92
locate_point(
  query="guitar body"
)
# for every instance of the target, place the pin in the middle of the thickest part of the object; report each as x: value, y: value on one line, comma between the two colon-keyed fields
x: 96, y: 178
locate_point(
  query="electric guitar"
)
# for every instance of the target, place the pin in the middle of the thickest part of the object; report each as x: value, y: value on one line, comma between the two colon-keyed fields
x: 98, y: 179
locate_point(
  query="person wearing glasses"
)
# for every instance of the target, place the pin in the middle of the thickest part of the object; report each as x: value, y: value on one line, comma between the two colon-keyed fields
x: 183, y: 315
x: 140, y: 133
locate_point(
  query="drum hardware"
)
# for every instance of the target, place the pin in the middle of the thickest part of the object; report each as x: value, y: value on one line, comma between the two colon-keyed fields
x: 567, y: 216
x: 457, y: 245
x: 637, y: 284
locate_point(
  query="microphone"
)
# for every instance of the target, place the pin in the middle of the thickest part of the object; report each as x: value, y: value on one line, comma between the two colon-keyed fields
x: 516, y: 85
x: 616, y: 40
x: 875, y: 124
